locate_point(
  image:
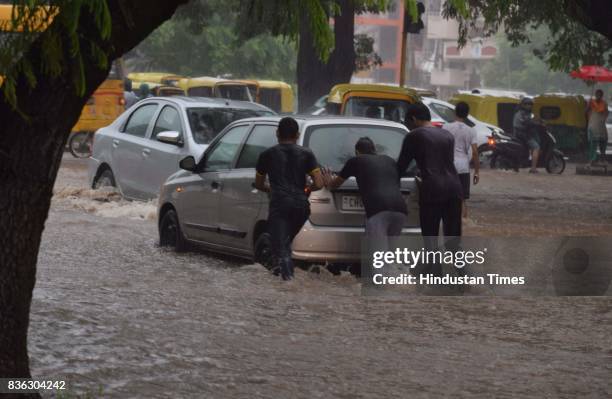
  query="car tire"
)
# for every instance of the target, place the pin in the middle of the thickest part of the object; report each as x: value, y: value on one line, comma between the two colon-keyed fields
x: 80, y: 144
x: 263, y: 251
x: 106, y: 178
x: 170, y: 233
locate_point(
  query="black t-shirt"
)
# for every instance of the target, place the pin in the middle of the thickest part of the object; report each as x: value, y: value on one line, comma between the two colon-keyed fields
x: 379, y: 183
x: 287, y: 166
x: 433, y: 148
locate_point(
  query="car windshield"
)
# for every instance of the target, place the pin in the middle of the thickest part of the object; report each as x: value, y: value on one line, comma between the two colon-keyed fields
x: 392, y: 110
x: 333, y: 145
x: 206, y: 123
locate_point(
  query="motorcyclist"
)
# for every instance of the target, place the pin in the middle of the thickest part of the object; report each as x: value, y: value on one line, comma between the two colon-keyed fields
x: 526, y: 129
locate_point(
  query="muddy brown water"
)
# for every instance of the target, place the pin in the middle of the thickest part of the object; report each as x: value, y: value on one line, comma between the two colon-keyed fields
x: 114, y: 312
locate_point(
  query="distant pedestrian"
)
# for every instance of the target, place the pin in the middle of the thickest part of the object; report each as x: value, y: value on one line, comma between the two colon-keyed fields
x: 128, y: 94
x: 466, y: 147
x: 286, y: 165
x: 597, y: 114
x: 379, y: 187
x: 144, y: 91
x: 440, y: 194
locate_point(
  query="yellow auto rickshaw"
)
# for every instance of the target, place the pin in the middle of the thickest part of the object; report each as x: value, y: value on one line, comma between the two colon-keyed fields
x: 565, y: 117
x: 160, y: 78
x: 497, y: 110
x: 371, y: 100
x: 276, y: 95
x: 236, y: 89
x: 203, y: 86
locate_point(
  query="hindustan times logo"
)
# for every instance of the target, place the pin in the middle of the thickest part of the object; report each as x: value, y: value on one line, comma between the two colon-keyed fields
x: 412, y: 259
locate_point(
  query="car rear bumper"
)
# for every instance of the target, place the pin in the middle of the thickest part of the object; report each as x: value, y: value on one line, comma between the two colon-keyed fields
x: 333, y: 244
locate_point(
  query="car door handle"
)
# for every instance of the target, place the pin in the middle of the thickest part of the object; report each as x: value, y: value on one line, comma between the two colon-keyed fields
x: 146, y: 152
x: 215, y: 185
x: 115, y: 143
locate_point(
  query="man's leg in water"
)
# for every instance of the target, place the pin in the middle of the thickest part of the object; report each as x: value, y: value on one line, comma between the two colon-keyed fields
x: 297, y: 217
x: 279, y: 228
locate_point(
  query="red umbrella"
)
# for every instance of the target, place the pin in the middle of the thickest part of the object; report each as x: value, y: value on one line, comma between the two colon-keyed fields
x: 593, y: 73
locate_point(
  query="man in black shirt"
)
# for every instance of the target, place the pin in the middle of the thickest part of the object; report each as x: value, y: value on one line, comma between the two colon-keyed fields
x: 440, y: 194
x: 379, y: 186
x: 286, y: 165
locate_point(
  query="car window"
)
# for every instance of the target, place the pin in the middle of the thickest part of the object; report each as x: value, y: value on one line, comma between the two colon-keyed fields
x: 444, y: 112
x: 168, y: 120
x: 225, y: 150
x: 333, y: 145
x: 139, y: 120
x: 392, y: 110
x: 206, y: 123
x: 261, y: 138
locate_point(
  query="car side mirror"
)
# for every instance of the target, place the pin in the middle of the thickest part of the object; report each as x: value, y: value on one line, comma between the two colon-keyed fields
x: 188, y: 163
x: 169, y: 137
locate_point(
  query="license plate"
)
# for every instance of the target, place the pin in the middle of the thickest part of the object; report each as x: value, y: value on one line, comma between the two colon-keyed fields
x: 352, y: 203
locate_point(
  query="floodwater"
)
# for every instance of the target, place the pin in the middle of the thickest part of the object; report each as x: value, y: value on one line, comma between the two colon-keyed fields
x: 119, y: 317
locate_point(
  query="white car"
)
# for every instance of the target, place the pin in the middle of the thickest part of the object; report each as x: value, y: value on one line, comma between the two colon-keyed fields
x: 142, y: 147
x: 443, y: 112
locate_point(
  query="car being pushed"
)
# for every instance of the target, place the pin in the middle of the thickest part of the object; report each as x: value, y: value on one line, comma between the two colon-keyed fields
x: 212, y: 201
x: 142, y: 147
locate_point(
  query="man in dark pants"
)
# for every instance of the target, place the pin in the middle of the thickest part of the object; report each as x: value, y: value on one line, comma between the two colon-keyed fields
x: 286, y: 165
x: 440, y: 195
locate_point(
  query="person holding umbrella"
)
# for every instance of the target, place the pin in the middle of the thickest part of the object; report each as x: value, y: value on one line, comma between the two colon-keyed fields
x: 597, y: 113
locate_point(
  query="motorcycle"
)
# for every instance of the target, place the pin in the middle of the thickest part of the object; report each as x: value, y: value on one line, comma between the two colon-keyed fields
x: 513, y: 153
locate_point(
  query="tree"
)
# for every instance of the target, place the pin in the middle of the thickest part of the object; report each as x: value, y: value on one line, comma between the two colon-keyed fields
x: 46, y: 85
x: 520, y: 68
x: 326, y: 52
x: 210, y: 46
x: 580, y: 30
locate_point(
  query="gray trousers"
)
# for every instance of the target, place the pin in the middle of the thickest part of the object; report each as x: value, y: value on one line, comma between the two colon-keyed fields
x: 383, y: 225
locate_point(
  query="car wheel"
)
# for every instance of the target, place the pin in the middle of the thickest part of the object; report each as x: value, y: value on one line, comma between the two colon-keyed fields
x: 170, y: 234
x: 105, y: 179
x: 263, y: 251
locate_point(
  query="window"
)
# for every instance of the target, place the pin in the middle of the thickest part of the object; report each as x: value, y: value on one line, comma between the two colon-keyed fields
x: 550, y: 113
x: 201, y: 91
x: 393, y: 110
x: 234, y: 92
x: 262, y: 138
x: 333, y: 145
x: 167, y: 121
x: 139, y: 120
x: 222, y: 156
x: 271, y: 98
x: 444, y: 112
x: 206, y: 123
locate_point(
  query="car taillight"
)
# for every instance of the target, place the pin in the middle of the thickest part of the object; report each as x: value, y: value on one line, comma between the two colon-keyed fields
x: 437, y: 124
x: 121, y: 101
x: 491, y: 141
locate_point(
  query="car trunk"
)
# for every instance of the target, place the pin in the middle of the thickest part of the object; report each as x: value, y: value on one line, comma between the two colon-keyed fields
x: 343, y: 207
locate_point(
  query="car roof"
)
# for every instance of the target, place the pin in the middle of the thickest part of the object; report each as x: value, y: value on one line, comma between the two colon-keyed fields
x: 324, y: 119
x: 194, y: 102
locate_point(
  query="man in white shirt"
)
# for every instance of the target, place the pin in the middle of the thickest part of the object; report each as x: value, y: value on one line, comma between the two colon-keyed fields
x: 465, y: 143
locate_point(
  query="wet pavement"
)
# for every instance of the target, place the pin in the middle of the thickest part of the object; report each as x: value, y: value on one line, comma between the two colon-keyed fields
x: 116, y: 314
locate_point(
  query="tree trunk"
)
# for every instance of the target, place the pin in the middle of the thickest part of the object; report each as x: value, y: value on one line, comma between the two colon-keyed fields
x: 31, y: 151
x: 316, y: 78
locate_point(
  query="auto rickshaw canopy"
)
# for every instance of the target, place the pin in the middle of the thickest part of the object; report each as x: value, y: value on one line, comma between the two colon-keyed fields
x: 497, y: 110
x: 341, y: 92
x: 276, y: 95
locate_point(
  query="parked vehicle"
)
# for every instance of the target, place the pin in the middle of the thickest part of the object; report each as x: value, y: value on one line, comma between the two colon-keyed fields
x: 212, y: 201
x: 103, y: 107
x: 139, y: 150
x: 513, y: 153
x: 370, y: 100
x: 497, y: 110
x: 203, y: 86
x: 276, y: 95
x: 565, y: 117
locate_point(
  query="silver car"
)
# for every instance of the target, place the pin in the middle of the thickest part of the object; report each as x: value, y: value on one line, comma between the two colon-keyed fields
x: 212, y: 202
x: 140, y: 149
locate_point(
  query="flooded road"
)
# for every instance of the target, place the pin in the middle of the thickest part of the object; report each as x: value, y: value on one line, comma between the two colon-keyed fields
x: 112, y: 312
